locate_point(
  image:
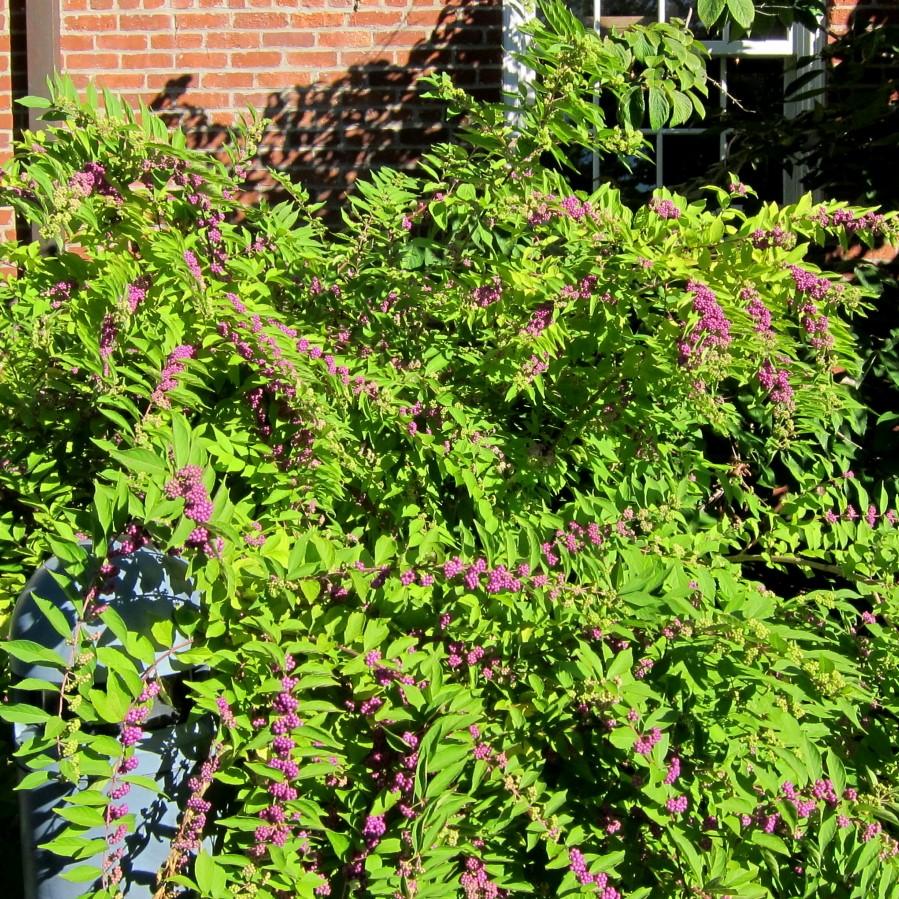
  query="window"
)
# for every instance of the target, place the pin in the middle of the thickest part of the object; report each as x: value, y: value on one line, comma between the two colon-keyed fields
x: 748, y: 76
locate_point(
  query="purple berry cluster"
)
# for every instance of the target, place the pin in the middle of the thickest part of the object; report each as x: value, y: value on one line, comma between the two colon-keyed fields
x: 109, y: 330
x: 92, y: 180
x: 488, y: 294
x: 196, y: 810
x: 576, y: 209
x: 599, y: 882
x: 130, y: 735
x: 476, y: 882
x: 583, y: 290
x: 758, y: 312
x: 136, y: 293
x: 765, y: 239
x: 394, y: 770
x: 644, y: 744
x: 845, y: 218
x: 193, y: 265
x: 539, y: 321
x: 711, y: 332
x: 809, y: 284
x: 188, y: 485
x: 279, y: 820
x: 664, y: 209
x: 60, y: 293
x: 777, y: 383
x: 673, y: 772
x: 535, y: 366
x: 174, y: 366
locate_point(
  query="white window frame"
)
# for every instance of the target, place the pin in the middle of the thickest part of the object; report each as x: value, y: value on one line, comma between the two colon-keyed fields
x: 799, y: 42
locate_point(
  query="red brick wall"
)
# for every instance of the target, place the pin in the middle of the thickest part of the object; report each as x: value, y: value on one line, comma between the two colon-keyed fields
x: 846, y: 15
x: 335, y: 78
x: 11, y: 62
x: 5, y: 104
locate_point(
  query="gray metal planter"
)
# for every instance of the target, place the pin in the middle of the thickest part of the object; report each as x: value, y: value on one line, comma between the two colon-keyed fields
x: 148, y: 587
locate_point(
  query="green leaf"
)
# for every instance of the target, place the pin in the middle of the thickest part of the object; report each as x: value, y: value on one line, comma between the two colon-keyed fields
x: 74, y: 847
x: 710, y: 11
x: 54, y: 615
x: 24, y: 714
x: 32, y: 780
x: 32, y: 653
x: 84, y: 816
x: 140, y: 460
x: 210, y: 876
x: 659, y: 108
x: 104, y: 503
x: 81, y: 873
x: 34, y: 102
x: 181, y: 439
x: 743, y: 12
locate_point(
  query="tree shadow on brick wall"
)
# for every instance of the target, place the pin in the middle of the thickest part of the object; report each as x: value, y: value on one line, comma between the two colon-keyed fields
x: 327, y: 135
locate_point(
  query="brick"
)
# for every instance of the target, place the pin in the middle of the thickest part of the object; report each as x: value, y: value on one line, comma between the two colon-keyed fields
x: 148, y: 61
x: 281, y: 80
x: 81, y: 42
x: 323, y: 59
x: 323, y: 19
x: 202, y: 59
x: 236, y: 40
x: 90, y: 23
x: 118, y: 41
x: 407, y: 37
x: 122, y: 80
x: 288, y: 37
x: 177, y: 40
x: 208, y: 99
x: 227, y: 79
x: 201, y: 21
x: 146, y: 22
x: 244, y: 100
x: 478, y: 56
x: 261, y: 59
x: 347, y: 58
x: 91, y: 61
x: 154, y: 4
x: 422, y: 17
x: 258, y: 21
x: 344, y: 38
x: 102, y: 4
x: 376, y: 17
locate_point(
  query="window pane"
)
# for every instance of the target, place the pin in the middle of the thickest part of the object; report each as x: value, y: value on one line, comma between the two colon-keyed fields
x: 622, y: 13
x: 686, y: 158
x: 754, y: 87
x: 767, y: 25
x: 583, y: 10
x: 635, y: 185
x: 581, y: 178
x: 686, y: 10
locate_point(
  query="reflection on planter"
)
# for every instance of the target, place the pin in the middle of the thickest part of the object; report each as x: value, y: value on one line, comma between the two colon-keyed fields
x: 147, y: 588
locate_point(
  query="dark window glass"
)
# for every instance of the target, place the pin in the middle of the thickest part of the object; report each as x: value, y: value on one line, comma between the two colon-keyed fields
x: 634, y: 177
x: 622, y: 13
x: 686, y: 11
x: 686, y: 158
x: 754, y: 87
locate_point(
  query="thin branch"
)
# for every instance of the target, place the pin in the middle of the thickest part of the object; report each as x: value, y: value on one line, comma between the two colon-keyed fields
x: 801, y: 561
